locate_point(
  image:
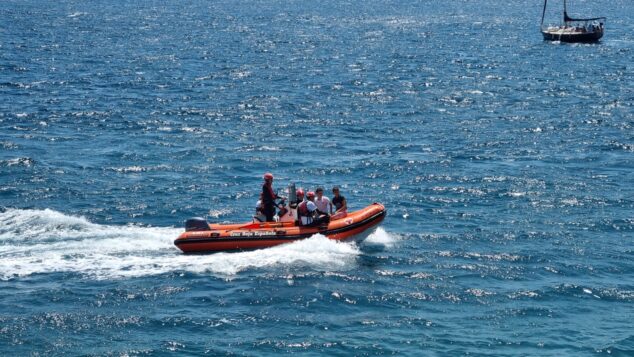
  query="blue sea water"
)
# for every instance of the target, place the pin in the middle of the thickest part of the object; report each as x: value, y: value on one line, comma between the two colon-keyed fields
x: 506, y: 164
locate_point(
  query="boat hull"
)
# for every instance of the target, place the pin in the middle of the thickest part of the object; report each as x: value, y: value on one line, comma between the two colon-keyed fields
x: 249, y: 236
x: 573, y: 37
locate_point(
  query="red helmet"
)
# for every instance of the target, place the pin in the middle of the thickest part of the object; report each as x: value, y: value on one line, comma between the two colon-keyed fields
x: 310, y: 194
x: 268, y: 176
x: 300, y: 193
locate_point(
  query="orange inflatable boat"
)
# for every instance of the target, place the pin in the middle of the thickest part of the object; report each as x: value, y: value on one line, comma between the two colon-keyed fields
x: 200, y: 236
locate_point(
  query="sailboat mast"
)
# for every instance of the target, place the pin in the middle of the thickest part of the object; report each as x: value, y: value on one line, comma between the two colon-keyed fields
x: 544, y: 12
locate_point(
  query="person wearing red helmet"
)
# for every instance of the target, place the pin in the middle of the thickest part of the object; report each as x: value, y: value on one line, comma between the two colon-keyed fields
x: 308, y: 213
x: 268, y: 197
x: 300, y: 198
x: 306, y: 209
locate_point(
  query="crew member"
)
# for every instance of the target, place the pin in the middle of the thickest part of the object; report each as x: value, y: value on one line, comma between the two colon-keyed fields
x: 300, y: 198
x: 268, y: 197
x: 308, y: 213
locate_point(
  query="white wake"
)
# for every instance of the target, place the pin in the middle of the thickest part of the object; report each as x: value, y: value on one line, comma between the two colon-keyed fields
x: 381, y: 237
x: 46, y: 241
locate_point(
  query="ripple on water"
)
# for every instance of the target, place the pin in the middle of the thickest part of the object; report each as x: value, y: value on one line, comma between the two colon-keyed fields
x: 507, y: 179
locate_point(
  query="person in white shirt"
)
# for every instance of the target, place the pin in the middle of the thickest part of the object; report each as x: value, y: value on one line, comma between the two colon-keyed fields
x: 308, y: 212
x: 306, y: 209
x: 322, y: 202
x: 259, y: 211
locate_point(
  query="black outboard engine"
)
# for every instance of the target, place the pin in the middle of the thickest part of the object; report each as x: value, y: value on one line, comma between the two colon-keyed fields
x: 196, y: 224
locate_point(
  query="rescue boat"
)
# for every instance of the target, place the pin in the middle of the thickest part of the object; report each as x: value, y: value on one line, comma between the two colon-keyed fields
x: 201, y: 236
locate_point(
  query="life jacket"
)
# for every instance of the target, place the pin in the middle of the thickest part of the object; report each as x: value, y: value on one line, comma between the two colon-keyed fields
x: 302, y: 210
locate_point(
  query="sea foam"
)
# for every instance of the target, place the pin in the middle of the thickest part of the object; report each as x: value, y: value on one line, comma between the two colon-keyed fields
x: 381, y: 237
x: 47, y: 241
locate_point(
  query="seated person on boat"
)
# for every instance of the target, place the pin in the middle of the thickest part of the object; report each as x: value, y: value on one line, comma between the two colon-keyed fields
x: 300, y: 198
x: 259, y: 211
x: 308, y: 213
x: 322, y: 202
x: 341, y: 206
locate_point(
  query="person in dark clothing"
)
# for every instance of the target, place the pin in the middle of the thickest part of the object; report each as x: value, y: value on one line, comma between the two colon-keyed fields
x: 341, y: 206
x: 268, y: 197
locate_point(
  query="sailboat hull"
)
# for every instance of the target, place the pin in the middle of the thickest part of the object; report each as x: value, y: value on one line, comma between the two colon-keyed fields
x: 564, y: 35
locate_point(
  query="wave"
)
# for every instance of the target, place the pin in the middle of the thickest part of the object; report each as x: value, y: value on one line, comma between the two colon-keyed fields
x: 46, y: 241
x: 381, y: 237
x: 77, y: 14
x: 20, y: 161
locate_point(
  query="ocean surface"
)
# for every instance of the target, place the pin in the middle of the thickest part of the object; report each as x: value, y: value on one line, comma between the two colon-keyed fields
x: 506, y: 164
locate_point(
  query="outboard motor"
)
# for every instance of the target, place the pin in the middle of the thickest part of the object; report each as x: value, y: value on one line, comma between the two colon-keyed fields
x: 289, y: 212
x: 292, y: 193
x: 196, y: 224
